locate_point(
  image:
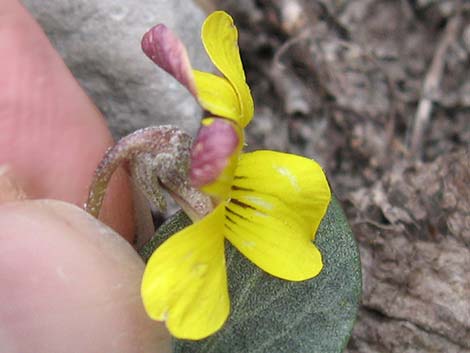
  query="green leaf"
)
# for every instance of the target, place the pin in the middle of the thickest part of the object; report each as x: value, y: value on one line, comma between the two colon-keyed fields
x: 270, y: 315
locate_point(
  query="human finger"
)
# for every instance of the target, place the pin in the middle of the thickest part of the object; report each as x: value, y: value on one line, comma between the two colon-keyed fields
x: 51, y: 134
x: 68, y: 283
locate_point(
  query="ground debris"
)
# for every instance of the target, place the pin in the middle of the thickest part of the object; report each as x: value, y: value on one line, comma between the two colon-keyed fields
x: 413, y: 227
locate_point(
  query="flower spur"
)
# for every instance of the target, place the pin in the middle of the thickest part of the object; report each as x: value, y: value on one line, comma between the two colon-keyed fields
x: 267, y: 204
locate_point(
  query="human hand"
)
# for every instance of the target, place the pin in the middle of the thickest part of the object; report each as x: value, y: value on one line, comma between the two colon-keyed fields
x: 68, y: 283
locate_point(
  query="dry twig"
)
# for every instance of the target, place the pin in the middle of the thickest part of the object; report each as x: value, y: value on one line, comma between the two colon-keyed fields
x: 287, y: 85
x: 431, y: 84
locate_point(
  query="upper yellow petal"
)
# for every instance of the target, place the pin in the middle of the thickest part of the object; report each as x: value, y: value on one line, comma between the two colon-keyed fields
x: 220, y: 36
x: 185, y: 281
x: 277, y: 203
x: 216, y: 95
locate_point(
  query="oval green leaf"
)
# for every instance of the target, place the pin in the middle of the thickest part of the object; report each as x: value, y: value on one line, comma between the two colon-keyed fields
x: 269, y: 315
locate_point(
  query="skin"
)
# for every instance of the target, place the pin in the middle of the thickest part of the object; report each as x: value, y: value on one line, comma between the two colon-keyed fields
x: 68, y: 283
x: 52, y: 136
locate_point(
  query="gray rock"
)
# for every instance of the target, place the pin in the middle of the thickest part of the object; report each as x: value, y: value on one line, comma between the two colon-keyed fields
x: 100, y: 43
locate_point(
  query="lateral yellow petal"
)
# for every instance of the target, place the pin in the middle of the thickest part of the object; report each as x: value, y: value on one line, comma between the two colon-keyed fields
x: 277, y: 203
x: 185, y: 281
x: 220, y: 39
x: 216, y: 95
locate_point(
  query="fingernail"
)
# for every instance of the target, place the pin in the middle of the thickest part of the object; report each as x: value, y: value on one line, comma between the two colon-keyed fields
x: 10, y: 190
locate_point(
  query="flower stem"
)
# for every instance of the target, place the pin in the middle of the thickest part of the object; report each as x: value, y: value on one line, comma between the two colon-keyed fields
x: 158, y: 157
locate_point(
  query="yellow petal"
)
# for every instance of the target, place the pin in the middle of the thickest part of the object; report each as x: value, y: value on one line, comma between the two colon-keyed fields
x: 277, y: 203
x: 216, y: 95
x: 220, y: 37
x: 185, y: 281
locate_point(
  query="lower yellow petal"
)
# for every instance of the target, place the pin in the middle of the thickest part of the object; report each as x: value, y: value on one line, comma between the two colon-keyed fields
x: 277, y: 203
x: 185, y: 281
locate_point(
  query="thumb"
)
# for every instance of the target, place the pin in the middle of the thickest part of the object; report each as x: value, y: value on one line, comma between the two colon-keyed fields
x: 68, y: 283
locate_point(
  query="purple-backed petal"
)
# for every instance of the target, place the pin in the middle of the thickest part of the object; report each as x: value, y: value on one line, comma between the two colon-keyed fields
x: 214, y: 156
x: 166, y: 50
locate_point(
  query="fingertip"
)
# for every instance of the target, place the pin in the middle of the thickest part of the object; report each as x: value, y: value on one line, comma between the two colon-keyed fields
x: 70, y: 284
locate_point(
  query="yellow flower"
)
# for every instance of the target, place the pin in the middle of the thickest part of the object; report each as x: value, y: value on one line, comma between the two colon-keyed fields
x: 268, y: 204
